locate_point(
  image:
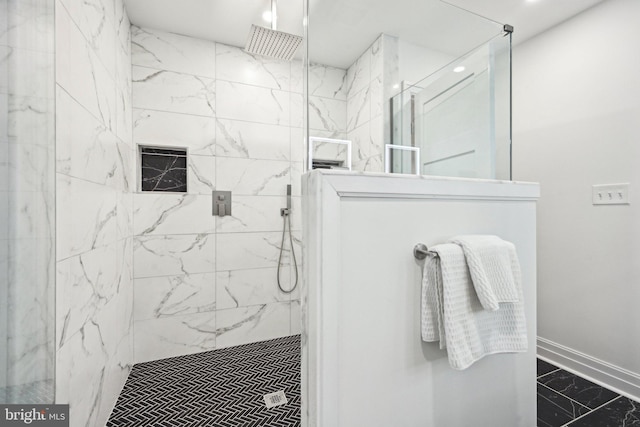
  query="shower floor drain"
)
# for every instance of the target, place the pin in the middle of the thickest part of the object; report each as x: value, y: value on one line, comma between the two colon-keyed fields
x: 275, y: 399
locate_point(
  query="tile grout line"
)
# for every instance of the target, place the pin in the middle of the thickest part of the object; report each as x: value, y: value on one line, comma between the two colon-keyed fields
x: 551, y: 372
x: 564, y: 395
x: 595, y: 409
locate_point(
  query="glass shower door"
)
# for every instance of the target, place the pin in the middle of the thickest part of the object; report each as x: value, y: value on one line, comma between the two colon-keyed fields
x: 27, y: 205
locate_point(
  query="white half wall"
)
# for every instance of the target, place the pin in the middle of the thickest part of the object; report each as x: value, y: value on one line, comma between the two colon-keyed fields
x: 576, y: 108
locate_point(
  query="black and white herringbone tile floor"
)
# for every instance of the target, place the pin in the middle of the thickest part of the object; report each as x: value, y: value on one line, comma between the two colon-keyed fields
x: 219, y: 388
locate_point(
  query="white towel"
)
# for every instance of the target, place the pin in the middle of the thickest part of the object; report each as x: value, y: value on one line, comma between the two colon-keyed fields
x: 493, y: 264
x: 453, y: 315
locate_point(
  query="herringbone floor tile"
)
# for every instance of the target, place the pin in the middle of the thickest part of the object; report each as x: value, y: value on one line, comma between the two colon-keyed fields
x: 219, y: 388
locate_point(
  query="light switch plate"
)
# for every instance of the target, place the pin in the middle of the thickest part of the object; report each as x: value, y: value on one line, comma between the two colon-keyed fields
x: 611, y: 194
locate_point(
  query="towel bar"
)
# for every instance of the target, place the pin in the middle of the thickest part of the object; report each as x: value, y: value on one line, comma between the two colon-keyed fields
x: 420, y: 251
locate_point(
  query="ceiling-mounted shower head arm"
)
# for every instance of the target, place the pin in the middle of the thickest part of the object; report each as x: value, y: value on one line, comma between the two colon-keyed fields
x: 274, y: 15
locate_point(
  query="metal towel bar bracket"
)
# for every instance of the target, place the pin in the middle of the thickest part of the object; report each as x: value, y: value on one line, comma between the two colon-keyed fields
x: 421, y: 251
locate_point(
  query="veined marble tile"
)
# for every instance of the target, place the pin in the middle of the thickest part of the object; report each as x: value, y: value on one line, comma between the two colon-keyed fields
x: 251, y: 103
x: 327, y: 82
x: 125, y: 172
x: 124, y: 122
x: 296, y: 83
x: 241, y: 251
x: 377, y: 57
x: 123, y: 26
x: 298, y: 149
x: 28, y: 25
x: 243, y: 288
x: 235, y: 65
x: 296, y: 118
x: 296, y: 318
x: 86, y: 149
x: 377, y: 104
x: 173, y: 52
x: 173, y: 255
x: 96, y: 21
x: 248, y: 177
x: 170, y: 91
x: 30, y: 120
x: 29, y: 168
x: 124, y: 215
x: 174, y: 336
x: 81, y: 73
x: 327, y: 114
x: 85, y: 216
x: 297, y: 169
x: 162, y: 213
x: 359, y: 74
x: 238, y: 326
x: 296, y: 213
x: 85, y: 360
x: 159, y: 297
x: 361, y: 143
x: 86, y: 283
x: 201, y: 174
x: 4, y: 216
x: 197, y: 133
x: 36, y: 72
x: 30, y: 215
x: 359, y: 109
x: 253, y: 214
x: 251, y: 140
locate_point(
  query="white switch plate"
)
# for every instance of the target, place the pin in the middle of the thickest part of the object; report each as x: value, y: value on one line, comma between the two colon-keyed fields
x: 611, y: 194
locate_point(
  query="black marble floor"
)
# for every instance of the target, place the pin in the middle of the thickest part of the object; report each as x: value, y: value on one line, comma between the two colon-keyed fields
x: 565, y: 399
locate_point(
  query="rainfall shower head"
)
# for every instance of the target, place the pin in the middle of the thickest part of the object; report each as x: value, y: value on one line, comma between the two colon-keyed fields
x: 271, y: 42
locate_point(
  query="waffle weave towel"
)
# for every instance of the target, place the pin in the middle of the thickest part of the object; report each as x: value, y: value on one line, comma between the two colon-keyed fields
x: 453, y: 315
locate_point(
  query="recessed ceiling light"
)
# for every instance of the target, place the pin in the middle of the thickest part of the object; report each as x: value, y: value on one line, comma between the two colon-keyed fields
x: 458, y: 69
x: 266, y: 15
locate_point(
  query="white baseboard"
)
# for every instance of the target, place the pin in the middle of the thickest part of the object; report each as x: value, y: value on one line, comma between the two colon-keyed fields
x: 621, y: 381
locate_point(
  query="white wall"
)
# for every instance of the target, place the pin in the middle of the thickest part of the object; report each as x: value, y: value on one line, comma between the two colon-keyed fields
x: 94, y: 177
x: 576, y: 123
x: 205, y: 282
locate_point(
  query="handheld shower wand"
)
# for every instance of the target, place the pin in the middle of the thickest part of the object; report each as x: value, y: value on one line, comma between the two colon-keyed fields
x: 285, y: 213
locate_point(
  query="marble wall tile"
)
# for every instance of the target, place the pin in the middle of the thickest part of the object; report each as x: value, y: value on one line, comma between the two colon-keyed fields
x: 170, y: 91
x: 327, y: 82
x: 250, y: 177
x: 161, y: 297
x: 27, y: 25
x: 376, y: 104
x: 81, y: 73
x: 172, y: 214
x: 157, y: 128
x: 233, y: 64
x: 296, y: 83
x: 124, y: 215
x: 29, y: 121
x: 85, y: 216
x: 86, y: 283
x: 241, y: 251
x: 244, y: 288
x: 166, y: 51
x: 296, y: 318
x: 251, y: 140
x: 253, y: 214
x: 174, y: 336
x: 86, y: 149
x: 359, y: 73
x: 296, y: 116
x: 124, y: 107
x: 251, y: 103
x: 95, y: 19
x: 297, y: 169
x: 377, y: 57
x: 201, y: 174
x: 123, y: 26
x: 35, y: 72
x: 238, y: 326
x: 327, y: 114
x: 298, y: 149
x: 170, y: 255
x: 359, y: 109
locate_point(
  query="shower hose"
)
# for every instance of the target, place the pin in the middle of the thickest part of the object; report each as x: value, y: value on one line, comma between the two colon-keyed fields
x: 287, y: 220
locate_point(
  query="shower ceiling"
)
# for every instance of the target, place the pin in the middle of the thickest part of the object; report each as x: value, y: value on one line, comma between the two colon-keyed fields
x: 343, y: 29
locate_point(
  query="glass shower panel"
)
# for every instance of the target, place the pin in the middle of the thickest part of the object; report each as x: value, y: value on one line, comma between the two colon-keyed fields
x: 460, y: 116
x: 27, y: 186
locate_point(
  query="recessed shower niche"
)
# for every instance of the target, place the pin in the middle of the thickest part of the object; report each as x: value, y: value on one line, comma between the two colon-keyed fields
x: 163, y: 169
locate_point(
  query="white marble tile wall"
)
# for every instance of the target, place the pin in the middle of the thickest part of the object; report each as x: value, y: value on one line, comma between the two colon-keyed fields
x: 365, y: 108
x: 94, y: 209
x: 201, y: 281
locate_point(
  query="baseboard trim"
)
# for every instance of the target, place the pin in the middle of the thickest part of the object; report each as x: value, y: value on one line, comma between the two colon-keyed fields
x: 621, y: 381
